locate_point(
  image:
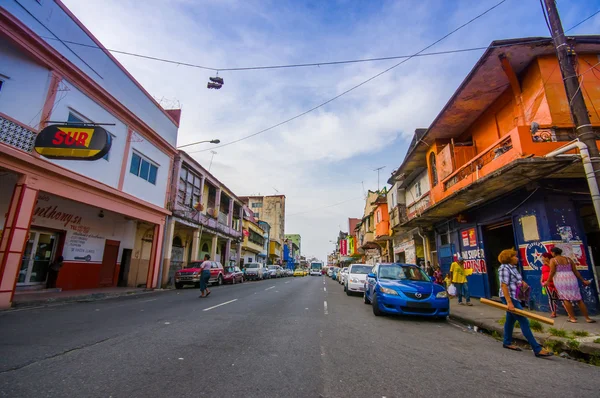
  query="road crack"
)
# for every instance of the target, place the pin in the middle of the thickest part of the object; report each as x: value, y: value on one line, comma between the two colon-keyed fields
x: 70, y: 350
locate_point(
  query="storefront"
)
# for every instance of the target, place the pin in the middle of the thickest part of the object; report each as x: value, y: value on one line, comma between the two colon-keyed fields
x: 530, y: 221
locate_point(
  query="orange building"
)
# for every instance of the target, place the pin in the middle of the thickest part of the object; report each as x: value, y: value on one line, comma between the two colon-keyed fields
x: 491, y: 185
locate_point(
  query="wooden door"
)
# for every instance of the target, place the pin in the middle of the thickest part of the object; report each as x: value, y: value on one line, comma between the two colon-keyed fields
x: 109, y: 262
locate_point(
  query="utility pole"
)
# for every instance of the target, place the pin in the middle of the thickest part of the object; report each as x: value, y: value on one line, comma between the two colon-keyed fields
x: 378, y: 170
x: 566, y: 60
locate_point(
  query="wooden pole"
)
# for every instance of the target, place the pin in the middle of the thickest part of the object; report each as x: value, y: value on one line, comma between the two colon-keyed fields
x: 527, y: 314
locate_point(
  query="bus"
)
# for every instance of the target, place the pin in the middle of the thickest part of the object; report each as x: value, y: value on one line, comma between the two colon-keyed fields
x: 316, y: 269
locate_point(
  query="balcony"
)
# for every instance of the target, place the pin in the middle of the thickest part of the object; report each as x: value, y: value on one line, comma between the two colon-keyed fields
x: 16, y: 135
x: 398, y: 216
x: 222, y: 218
x: 382, y: 231
x: 205, y: 220
x: 416, y: 208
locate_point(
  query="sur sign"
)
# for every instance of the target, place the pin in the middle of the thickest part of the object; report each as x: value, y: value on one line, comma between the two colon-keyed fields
x: 72, y: 142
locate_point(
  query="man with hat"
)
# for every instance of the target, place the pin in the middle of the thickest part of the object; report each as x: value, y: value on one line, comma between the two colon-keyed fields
x: 458, y: 275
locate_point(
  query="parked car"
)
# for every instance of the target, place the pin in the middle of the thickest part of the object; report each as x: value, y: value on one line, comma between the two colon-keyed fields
x: 265, y: 272
x: 254, y: 271
x: 289, y: 272
x: 233, y: 275
x: 274, y: 271
x: 329, y: 271
x: 342, y: 276
x: 354, y: 281
x: 334, y: 274
x: 405, y: 289
x: 298, y: 272
x: 190, y: 275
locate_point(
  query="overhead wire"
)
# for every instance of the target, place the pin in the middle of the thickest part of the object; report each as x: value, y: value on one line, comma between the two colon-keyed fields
x: 370, y: 79
x: 360, y: 84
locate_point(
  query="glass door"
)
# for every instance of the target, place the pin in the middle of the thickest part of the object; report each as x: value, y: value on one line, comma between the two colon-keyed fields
x: 38, y: 254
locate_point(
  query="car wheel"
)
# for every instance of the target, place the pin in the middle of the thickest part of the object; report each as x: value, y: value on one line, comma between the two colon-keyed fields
x: 365, y: 298
x: 376, y: 310
x: 242, y: 280
x: 220, y: 280
x: 233, y: 281
x: 178, y: 285
x: 345, y: 288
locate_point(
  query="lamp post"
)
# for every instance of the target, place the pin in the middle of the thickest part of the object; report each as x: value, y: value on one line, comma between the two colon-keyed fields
x: 215, y: 141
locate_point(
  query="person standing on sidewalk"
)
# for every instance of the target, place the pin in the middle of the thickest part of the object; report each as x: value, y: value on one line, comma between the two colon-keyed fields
x: 510, y: 281
x: 458, y: 275
x: 553, y: 299
x: 205, y: 276
x: 53, y: 272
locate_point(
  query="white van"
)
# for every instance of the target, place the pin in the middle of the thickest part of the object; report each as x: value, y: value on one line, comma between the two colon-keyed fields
x: 254, y: 271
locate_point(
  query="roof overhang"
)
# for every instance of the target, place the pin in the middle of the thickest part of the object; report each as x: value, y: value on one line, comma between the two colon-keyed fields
x: 513, y: 176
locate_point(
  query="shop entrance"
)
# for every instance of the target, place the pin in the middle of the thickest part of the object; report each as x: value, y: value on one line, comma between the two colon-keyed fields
x: 37, y: 257
x: 496, y: 237
x: 592, y: 233
x: 109, y: 263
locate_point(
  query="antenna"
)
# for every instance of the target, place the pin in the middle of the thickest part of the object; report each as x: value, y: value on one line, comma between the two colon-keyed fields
x: 364, y: 192
x: 378, y: 170
x: 275, y: 189
x: 211, y: 159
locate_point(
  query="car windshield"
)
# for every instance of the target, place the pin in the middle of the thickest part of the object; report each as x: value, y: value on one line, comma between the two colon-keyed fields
x: 402, y: 272
x: 272, y: 267
x: 252, y: 266
x: 193, y: 265
x: 360, y: 269
x: 230, y: 269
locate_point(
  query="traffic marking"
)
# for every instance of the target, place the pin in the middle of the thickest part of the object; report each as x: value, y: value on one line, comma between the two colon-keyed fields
x: 325, y: 307
x: 218, y: 305
x: 324, y: 289
x: 270, y: 288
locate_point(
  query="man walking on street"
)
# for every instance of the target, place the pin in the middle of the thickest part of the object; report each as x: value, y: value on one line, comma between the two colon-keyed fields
x: 458, y: 275
x: 205, y: 276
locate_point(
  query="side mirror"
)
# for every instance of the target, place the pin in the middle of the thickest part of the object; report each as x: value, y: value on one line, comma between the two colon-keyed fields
x: 371, y: 275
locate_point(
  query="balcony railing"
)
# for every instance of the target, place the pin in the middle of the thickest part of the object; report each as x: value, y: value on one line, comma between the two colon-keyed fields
x: 222, y: 218
x: 398, y: 216
x: 16, y: 135
x: 416, y: 208
x: 492, y: 153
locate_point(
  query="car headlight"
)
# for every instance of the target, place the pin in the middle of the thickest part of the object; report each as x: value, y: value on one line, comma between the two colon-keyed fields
x: 443, y: 294
x: 354, y: 280
x: 195, y: 273
x: 388, y: 291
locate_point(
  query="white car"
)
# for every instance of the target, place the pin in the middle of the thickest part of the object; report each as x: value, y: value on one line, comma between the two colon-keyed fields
x: 355, y: 279
x: 342, y: 276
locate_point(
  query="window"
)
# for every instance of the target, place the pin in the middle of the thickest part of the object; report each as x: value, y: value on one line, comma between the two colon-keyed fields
x: 190, y: 186
x: 256, y: 205
x: 73, y: 118
x: 255, y: 215
x: 418, y: 192
x: 143, y: 168
x: 432, y: 165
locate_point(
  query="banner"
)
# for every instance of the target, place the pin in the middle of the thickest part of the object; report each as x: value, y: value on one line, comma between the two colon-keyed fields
x: 344, y: 247
x: 351, y: 249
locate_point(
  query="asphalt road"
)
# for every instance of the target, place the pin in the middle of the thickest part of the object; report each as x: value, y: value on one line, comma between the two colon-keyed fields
x: 291, y: 337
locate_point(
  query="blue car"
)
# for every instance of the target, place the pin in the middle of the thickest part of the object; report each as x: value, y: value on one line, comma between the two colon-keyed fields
x: 406, y: 290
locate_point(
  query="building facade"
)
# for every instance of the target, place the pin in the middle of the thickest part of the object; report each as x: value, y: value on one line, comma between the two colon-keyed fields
x: 104, y: 217
x: 254, y: 248
x: 270, y: 209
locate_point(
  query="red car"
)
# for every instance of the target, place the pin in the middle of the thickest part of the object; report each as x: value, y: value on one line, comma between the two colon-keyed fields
x: 190, y: 275
x: 233, y: 275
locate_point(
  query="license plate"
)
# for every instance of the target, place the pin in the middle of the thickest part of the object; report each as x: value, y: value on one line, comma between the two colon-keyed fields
x: 418, y: 305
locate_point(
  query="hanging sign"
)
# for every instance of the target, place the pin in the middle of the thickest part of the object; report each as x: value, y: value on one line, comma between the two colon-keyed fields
x: 72, y: 142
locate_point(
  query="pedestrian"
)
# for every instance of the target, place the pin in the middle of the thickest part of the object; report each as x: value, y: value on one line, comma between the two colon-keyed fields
x: 430, y: 269
x: 510, y: 282
x: 550, y: 289
x: 53, y: 272
x: 205, y: 276
x: 458, y: 275
x: 437, y: 276
x: 564, y: 275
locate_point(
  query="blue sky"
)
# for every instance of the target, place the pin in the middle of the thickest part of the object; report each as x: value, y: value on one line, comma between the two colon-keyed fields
x: 322, y: 158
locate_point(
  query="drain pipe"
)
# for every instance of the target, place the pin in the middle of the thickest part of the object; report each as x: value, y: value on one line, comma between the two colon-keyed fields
x: 590, y: 175
x: 424, y: 246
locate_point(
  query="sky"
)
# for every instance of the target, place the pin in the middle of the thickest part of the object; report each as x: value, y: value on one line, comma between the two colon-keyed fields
x: 324, y: 161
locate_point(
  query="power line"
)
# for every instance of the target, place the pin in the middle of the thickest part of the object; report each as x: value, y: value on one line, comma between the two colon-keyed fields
x: 289, y: 66
x: 362, y: 83
x: 420, y: 53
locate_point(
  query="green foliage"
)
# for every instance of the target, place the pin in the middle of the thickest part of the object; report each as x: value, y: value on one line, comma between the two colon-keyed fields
x: 536, y: 326
x: 496, y: 335
x: 558, y: 332
x: 594, y: 360
x: 597, y: 341
x: 553, y: 345
x: 580, y: 333
x: 573, y: 344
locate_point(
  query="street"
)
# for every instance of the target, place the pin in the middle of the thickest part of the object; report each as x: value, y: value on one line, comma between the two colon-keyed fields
x: 293, y: 337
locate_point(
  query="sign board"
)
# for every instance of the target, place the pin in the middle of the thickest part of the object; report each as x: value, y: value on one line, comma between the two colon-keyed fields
x: 73, y: 142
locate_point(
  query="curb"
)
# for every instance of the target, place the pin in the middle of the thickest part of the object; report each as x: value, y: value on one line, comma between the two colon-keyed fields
x: 81, y: 299
x: 588, y: 348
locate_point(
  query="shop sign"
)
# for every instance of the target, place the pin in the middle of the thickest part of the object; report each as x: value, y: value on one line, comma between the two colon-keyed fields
x: 72, y: 142
x: 344, y: 247
x: 475, y: 260
x: 469, y: 237
x: 531, y: 253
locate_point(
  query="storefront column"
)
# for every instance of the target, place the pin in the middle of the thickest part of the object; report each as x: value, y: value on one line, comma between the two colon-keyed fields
x: 170, y: 232
x: 239, y: 254
x: 241, y: 219
x: 213, y: 248
x: 217, y: 203
x: 225, y: 260
x: 154, y: 263
x: 230, y: 214
x: 14, y: 238
x: 195, y: 244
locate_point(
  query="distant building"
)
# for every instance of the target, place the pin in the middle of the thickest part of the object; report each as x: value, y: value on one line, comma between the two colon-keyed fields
x: 270, y: 209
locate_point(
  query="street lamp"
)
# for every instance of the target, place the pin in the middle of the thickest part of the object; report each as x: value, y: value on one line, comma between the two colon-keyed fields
x: 215, y: 141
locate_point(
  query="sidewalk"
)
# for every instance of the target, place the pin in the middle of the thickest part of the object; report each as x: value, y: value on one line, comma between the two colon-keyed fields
x: 44, y: 297
x: 486, y: 317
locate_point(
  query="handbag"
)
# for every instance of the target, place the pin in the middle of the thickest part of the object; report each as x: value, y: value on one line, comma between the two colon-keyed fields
x: 452, y: 290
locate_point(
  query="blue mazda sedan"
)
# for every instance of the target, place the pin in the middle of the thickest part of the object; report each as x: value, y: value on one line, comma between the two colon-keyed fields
x: 406, y: 290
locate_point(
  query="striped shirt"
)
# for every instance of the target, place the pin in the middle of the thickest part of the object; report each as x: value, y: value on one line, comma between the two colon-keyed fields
x: 509, y: 276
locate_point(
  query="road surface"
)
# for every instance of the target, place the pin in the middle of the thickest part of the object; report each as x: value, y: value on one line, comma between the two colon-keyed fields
x: 290, y: 337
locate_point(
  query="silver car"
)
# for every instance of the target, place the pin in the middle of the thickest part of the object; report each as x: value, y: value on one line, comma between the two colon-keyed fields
x: 355, y: 278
